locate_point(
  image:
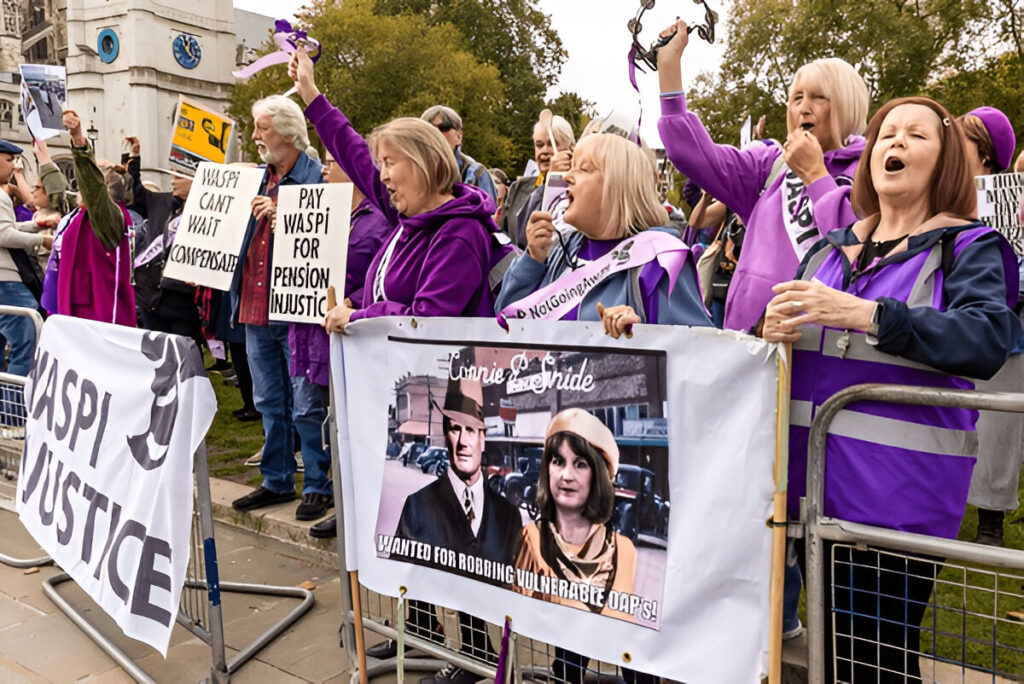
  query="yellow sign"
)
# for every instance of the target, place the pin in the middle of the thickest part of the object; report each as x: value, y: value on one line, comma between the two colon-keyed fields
x: 199, y: 135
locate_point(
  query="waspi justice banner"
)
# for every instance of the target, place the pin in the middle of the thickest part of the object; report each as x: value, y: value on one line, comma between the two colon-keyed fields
x: 584, y: 486
x: 115, y: 415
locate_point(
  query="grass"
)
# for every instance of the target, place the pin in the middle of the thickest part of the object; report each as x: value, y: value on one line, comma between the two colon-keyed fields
x: 229, y: 442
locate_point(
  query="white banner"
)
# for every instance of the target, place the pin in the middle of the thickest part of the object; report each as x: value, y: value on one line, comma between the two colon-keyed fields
x: 692, y: 416
x: 310, y: 250
x: 212, y: 225
x: 1001, y: 205
x: 44, y: 97
x: 115, y: 415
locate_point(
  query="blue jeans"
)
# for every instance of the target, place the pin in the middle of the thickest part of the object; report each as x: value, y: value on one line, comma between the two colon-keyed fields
x: 308, y: 415
x: 793, y: 582
x: 18, y: 330
x: 269, y: 355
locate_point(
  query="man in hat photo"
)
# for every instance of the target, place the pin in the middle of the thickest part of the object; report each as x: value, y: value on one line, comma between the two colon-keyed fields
x: 459, y: 511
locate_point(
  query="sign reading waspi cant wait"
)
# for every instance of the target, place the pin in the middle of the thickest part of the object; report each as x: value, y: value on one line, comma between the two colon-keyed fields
x: 310, y: 250
x: 212, y: 225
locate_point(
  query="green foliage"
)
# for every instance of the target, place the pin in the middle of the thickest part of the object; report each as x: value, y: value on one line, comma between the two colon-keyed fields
x: 376, y: 68
x: 896, y: 45
x: 574, y: 109
x: 515, y: 37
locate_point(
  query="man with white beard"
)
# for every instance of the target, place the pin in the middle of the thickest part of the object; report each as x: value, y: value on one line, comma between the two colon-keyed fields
x: 279, y: 129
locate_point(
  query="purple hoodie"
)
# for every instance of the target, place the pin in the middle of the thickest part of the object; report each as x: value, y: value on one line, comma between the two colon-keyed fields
x: 440, y: 261
x: 736, y: 178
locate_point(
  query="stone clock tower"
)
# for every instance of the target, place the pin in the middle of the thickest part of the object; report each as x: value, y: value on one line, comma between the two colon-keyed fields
x: 128, y: 60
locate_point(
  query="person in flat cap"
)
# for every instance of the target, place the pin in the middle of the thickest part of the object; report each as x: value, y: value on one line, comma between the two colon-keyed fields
x: 459, y: 512
x: 14, y: 243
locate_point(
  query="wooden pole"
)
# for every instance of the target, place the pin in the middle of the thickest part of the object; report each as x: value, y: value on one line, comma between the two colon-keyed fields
x: 357, y: 613
x: 785, y: 357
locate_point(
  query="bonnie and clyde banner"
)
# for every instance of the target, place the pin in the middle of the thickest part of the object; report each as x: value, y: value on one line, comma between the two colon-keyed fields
x: 115, y: 415
x: 599, y: 492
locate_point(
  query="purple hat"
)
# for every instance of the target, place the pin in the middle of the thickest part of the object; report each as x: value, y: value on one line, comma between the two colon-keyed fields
x: 1001, y: 131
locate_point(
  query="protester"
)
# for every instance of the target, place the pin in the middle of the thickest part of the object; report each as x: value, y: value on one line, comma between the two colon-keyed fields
x: 914, y: 282
x: 612, y: 201
x: 527, y: 192
x: 89, y: 271
x: 309, y: 343
x: 787, y: 197
x: 285, y: 402
x: 166, y: 305
x: 990, y: 145
x: 18, y: 330
x: 472, y: 172
x: 436, y: 260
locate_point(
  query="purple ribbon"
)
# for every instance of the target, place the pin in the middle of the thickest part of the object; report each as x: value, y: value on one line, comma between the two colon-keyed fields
x: 632, y: 79
x: 499, y: 675
x: 288, y: 40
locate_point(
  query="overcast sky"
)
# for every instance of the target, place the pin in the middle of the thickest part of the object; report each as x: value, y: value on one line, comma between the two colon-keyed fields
x: 595, y: 35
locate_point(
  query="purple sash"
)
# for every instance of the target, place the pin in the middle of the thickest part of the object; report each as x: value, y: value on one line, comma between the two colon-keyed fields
x: 566, y: 293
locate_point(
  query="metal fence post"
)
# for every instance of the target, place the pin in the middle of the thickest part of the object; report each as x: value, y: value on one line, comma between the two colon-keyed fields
x: 219, y: 670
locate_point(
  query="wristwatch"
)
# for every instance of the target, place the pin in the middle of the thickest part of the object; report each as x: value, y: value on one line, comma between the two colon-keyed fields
x: 876, y: 320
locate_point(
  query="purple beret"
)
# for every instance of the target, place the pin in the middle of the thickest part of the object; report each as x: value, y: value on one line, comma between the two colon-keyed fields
x: 1001, y: 131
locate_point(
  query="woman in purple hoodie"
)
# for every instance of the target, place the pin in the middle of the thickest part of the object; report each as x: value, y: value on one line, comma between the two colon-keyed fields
x: 437, y: 260
x: 788, y: 197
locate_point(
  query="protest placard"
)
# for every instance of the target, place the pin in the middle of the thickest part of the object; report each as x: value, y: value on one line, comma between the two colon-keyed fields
x: 472, y: 518
x: 310, y: 249
x: 212, y: 225
x: 199, y: 135
x: 1001, y: 205
x: 44, y: 97
x: 114, y: 416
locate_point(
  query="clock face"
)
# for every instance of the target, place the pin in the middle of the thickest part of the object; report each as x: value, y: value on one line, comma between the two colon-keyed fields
x: 187, y: 50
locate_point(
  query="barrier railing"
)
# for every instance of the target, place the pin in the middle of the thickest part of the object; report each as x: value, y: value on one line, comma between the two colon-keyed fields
x: 199, y: 610
x: 12, y: 434
x: 975, y: 627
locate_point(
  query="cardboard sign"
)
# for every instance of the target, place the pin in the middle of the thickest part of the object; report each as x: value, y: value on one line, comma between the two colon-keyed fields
x: 199, y: 135
x: 114, y: 416
x: 1001, y: 205
x: 310, y: 250
x: 212, y: 225
x: 44, y: 97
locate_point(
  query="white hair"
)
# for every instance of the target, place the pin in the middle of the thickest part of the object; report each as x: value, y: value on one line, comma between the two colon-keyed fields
x: 288, y: 119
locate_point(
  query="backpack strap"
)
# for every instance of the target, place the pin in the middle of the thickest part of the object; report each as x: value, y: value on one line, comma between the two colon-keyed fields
x: 778, y: 167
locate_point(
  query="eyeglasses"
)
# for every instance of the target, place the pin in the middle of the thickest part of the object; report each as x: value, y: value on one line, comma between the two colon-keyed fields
x: 444, y: 127
x: 649, y: 56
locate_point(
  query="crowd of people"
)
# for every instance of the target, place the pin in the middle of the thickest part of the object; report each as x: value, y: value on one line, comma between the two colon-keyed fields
x: 854, y: 240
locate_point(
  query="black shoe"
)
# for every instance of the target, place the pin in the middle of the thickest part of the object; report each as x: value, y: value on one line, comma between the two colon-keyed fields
x: 990, y: 527
x: 452, y: 674
x: 261, y: 497
x: 328, y: 529
x: 314, y: 506
x: 247, y: 415
x: 385, y: 649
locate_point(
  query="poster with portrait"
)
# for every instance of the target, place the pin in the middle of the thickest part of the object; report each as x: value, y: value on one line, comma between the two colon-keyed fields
x: 199, y: 135
x: 609, y: 496
x: 44, y: 97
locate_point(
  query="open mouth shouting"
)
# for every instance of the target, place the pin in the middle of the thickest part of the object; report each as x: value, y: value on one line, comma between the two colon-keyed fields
x: 893, y: 164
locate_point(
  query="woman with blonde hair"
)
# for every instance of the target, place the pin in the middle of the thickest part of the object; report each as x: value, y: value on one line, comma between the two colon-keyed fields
x: 622, y: 254
x: 437, y: 260
x: 787, y: 197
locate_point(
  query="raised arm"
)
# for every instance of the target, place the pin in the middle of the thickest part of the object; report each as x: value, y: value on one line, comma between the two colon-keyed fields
x: 104, y: 215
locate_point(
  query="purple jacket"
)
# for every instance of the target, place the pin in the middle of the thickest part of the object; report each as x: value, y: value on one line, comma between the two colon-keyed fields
x: 310, y: 345
x: 736, y: 178
x: 92, y: 282
x: 441, y: 259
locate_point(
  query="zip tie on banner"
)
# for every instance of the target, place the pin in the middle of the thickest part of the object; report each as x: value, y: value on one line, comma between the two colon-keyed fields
x: 400, y: 665
x: 500, y: 676
x: 288, y: 40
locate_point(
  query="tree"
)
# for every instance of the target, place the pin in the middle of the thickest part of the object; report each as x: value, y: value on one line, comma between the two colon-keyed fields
x: 574, y: 109
x: 376, y: 68
x: 517, y: 38
x: 896, y: 45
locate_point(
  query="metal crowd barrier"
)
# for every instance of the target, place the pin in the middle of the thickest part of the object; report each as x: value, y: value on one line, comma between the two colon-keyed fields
x: 12, y: 434
x: 979, y: 627
x: 199, y: 610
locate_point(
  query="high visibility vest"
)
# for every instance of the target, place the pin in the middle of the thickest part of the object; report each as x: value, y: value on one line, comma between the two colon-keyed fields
x: 891, y: 465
